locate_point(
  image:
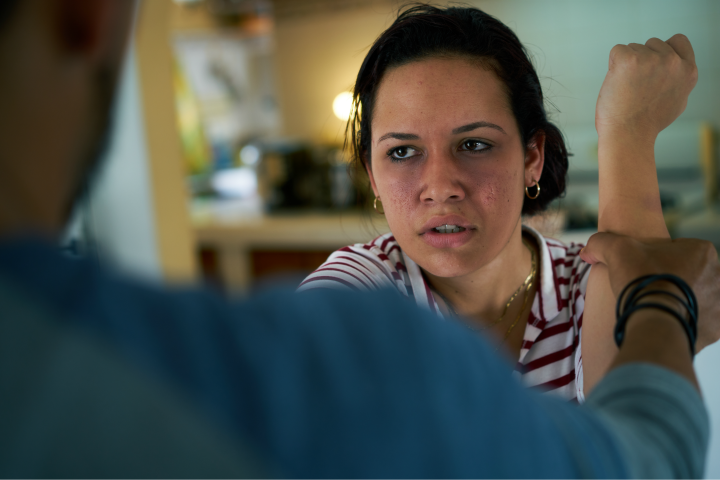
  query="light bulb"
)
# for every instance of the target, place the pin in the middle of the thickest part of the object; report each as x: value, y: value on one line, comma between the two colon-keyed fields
x: 343, y: 105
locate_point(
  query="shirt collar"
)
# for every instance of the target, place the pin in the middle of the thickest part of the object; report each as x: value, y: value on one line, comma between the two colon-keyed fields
x: 547, y: 306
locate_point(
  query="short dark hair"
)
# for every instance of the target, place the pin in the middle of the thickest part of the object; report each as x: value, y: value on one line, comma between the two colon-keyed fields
x: 7, y: 8
x: 423, y: 31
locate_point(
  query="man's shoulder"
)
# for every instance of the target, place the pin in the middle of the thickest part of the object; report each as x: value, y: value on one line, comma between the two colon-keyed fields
x: 113, y: 409
x: 98, y: 299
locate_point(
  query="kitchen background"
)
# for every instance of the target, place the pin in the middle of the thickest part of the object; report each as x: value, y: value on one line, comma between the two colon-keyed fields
x: 227, y: 164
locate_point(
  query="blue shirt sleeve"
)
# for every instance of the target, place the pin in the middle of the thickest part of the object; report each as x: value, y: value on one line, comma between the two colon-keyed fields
x: 659, y: 419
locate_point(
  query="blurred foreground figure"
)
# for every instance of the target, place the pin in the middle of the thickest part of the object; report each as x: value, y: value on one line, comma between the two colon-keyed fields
x: 105, y: 377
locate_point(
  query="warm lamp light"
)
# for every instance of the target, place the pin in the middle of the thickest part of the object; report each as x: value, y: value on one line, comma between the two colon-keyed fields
x: 343, y: 105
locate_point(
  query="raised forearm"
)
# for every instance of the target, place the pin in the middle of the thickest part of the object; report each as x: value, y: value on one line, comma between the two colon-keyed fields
x: 629, y: 204
x: 645, y: 90
x: 629, y: 201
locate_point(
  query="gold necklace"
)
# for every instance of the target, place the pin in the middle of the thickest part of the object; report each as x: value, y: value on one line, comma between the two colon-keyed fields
x: 522, y: 309
x: 527, y: 285
x: 533, y: 271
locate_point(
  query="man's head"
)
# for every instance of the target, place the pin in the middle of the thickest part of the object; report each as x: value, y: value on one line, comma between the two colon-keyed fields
x: 60, y: 61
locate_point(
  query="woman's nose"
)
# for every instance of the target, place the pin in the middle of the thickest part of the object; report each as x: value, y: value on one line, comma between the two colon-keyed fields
x: 442, y: 180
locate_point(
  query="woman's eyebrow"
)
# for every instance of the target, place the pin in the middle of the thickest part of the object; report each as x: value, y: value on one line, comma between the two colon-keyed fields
x: 399, y: 136
x: 465, y: 128
x: 472, y: 126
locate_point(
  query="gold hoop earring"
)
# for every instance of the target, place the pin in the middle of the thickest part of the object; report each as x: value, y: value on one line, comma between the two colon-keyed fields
x: 537, y: 194
x: 375, y: 206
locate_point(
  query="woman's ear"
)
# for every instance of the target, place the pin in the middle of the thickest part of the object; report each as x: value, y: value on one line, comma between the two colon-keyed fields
x: 368, y: 169
x: 534, y: 159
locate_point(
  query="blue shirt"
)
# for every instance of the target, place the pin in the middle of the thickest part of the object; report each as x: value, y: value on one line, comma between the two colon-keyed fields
x: 330, y: 384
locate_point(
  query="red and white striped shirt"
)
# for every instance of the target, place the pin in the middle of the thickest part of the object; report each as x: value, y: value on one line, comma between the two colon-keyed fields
x: 550, y: 358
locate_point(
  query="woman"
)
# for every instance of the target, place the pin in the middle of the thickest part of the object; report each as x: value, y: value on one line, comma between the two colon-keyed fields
x: 451, y: 128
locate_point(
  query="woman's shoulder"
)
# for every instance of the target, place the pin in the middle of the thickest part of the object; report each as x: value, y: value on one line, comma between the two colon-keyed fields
x: 361, y: 267
x: 564, y: 253
x: 561, y: 258
x: 563, y: 286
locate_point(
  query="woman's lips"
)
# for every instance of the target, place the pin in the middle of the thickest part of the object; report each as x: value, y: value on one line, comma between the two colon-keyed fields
x: 447, y: 240
x: 445, y: 220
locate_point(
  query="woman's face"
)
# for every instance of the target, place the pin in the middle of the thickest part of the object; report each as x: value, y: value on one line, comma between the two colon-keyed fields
x: 446, y: 150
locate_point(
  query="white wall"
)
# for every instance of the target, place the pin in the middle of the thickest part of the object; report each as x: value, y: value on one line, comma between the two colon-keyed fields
x: 571, y: 40
x: 707, y: 365
x: 122, y: 214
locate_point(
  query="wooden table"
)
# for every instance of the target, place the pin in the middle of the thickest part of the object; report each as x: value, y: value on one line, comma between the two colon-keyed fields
x: 234, y: 240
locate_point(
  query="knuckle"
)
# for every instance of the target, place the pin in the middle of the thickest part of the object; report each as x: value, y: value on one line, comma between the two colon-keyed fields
x: 631, y: 59
x: 619, y: 51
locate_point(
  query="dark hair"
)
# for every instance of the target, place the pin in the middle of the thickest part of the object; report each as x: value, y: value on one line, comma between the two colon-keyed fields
x: 7, y: 8
x: 425, y: 31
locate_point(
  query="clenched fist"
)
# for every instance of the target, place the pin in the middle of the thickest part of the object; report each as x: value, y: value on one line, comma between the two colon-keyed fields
x: 646, y: 87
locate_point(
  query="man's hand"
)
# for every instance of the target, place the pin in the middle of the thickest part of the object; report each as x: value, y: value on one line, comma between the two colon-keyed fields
x: 695, y: 261
x: 646, y: 87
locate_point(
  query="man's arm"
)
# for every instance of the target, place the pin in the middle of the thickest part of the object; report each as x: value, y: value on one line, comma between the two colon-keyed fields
x: 655, y: 345
x: 645, y: 90
x: 332, y: 384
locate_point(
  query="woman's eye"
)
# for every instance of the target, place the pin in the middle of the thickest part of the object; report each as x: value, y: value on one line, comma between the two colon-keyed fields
x: 474, y: 146
x: 402, y: 153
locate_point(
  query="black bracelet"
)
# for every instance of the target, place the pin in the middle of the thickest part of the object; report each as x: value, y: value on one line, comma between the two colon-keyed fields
x: 625, y: 309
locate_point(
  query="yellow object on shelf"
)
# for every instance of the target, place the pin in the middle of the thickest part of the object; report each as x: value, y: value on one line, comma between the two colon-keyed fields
x: 709, y: 163
x: 196, y: 153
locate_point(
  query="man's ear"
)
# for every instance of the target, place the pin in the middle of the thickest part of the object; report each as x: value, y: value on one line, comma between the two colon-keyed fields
x: 82, y: 27
x: 534, y: 159
x: 368, y: 169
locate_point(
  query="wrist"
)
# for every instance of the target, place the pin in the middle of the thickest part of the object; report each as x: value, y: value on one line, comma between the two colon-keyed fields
x: 661, y: 298
x: 651, y: 329
x: 626, y: 142
x: 643, y: 320
x: 634, y: 133
x: 658, y: 330
x: 656, y: 296
x: 629, y: 195
x: 656, y: 337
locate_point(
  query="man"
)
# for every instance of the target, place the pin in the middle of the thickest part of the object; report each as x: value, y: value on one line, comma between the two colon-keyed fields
x: 105, y: 377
